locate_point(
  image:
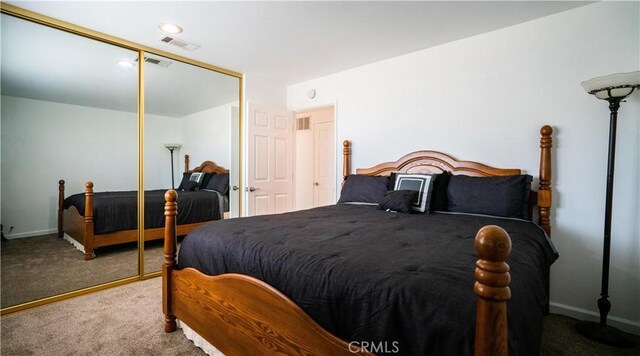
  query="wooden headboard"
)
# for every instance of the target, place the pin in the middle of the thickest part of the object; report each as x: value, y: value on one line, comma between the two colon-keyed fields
x: 206, y: 167
x: 437, y: 162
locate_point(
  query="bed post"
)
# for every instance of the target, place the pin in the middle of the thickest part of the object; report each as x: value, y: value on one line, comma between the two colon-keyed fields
x: 60, y: 207
x: 88, y: 221
x: 544, y: 191
x: 492, y: 287
x: 346, y: 160
x: 186, y: 163
x: 169, y: 263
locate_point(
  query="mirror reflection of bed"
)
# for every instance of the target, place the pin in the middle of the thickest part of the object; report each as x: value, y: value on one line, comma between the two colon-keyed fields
x: 57, y: 122
x: 70, y: 112
x: 195, y: 112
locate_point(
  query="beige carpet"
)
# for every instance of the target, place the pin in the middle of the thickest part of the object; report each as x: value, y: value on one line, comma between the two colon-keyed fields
x: 125, y: 320
x: 128, y: 320
x: 42, y: 266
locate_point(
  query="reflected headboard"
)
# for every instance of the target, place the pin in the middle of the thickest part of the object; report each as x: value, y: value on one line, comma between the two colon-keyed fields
x: 206, y: 167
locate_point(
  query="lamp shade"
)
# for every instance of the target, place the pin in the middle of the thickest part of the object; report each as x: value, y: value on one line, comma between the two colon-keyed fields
x: 616, y: 85
x: 172, y: 146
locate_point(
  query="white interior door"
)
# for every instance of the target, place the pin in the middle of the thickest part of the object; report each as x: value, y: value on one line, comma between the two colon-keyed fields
x: 269, y: 160
x: 323, y: 163
x: 315, y: 150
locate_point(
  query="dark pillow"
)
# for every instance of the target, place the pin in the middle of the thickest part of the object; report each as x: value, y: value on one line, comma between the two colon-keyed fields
x: 506, y: 196
x: 206, y: 179
x: 422, y: 183
x: 190, y: 186
x: 185, y: 179
x: 439, y: 194
x: 399, y: 200
x: 219, y: 183
x: 363, y: 189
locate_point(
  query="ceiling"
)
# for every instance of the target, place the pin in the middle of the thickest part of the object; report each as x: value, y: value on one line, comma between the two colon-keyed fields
x: 291, y: 42
x: 287, y: 42
x: 46, y: 64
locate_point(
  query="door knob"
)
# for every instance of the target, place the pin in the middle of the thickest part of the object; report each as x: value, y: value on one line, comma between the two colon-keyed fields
x: 316, y: 184
x: 252, y: 189
x: 235, y: 187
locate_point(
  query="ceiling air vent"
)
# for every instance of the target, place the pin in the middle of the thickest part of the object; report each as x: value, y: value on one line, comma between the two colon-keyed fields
x: 179, y: 43
x: 302, y: 123
x: 156, y: 61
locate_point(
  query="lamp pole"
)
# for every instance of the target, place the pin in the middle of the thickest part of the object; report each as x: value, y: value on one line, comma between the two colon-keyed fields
x: 171, y: 147
x: 613, y: 89
x: 172, y: 174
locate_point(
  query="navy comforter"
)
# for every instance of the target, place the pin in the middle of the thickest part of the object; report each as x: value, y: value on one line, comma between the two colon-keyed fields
x: 115, y: 211
x: 370, y: 275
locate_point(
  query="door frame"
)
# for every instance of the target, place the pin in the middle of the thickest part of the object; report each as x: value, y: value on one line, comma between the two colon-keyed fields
x: 338, y: 151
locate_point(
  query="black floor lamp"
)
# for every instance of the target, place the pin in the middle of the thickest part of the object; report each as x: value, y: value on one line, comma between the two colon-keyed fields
x: 171, y: 147
x: 613, y: 88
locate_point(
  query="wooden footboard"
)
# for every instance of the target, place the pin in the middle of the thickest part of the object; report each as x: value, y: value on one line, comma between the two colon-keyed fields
x: 241, y: 315
x: 80, y: 227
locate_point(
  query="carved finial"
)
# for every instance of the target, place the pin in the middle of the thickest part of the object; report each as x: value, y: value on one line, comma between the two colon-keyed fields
x: 61, y: 182
x: 88, y: 185
x: 492, y: 288
x: 346, y: 159
x: 171, y: 196
x: 546, y: 130
x: 493, y: 244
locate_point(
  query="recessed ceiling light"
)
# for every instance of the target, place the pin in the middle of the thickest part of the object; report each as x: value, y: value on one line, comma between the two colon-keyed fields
x: 125, y: 63
x: 170, y: 28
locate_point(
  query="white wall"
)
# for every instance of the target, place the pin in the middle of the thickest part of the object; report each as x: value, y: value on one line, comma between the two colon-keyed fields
x: 43, y: 142
x: 159, y: 130
x: 265, y: 91
x: 206, y: 136
x: 484, y: 99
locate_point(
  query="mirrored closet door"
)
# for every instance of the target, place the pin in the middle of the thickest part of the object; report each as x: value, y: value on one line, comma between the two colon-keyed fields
x: 69, y: 143
x: 191, y: 144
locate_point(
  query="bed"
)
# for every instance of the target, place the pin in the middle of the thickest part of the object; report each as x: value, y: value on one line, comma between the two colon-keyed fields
x: 91, y: 219
x: 274, y: 284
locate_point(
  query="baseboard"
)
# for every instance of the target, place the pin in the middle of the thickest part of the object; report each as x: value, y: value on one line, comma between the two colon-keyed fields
x: 629, y: 326
x: 31, y: 234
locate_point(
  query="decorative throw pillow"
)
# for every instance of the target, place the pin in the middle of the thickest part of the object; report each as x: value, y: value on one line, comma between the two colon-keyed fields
x: 219, y: 183
x: 422, y: 183
x: 506, y: 196
x: 399, y: 200
x: 190, y: 186
x: 196, y: 177
x: 439, y: 190
x: 363, y: 189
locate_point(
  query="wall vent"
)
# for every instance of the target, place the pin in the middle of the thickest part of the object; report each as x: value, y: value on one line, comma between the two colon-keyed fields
x: 156, y: 61
x: 302, y: 123
x: 179, y: 43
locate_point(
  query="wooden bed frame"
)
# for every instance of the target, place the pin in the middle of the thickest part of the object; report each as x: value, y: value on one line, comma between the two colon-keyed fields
x: 80, y: 228
x: 241, y: 315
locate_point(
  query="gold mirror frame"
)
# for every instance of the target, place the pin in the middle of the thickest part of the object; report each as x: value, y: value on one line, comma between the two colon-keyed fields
x: 141, y: 50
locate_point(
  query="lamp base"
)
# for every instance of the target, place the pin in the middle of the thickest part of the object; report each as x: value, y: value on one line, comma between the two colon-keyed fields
x: 605, y: 334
